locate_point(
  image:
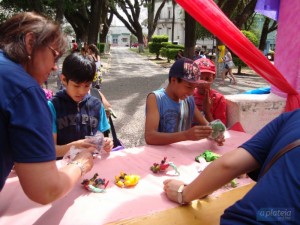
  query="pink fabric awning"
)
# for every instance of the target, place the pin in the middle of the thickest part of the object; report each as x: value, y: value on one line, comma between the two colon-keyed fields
x: 210, y: 16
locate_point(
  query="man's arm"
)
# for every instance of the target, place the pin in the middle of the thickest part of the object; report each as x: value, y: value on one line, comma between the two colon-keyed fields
x: 216, y: 175
x: 154, y: 137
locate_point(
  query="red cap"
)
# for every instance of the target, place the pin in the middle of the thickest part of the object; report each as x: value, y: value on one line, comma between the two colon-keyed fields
x: 206, y: 65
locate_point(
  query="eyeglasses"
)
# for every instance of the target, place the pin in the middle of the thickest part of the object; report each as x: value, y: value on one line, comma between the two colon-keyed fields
x: 56, y: 54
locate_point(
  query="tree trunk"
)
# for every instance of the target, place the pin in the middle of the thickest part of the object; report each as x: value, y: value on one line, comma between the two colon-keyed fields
x: 173, y: 19
x: 106, y: 28
x: 140, y: 38
x: 105, y: 20
x: 150, y: 19
x: 60, y: 8
x: 79, y: 20
x: 247, y: 11
x: 152, y: 23
x: 239, y: 70
x: 190, y: 25
x: 264, y: 34
x: 94, y: 24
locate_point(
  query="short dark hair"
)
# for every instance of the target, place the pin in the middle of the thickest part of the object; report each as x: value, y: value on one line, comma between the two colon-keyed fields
x: 78, y: 68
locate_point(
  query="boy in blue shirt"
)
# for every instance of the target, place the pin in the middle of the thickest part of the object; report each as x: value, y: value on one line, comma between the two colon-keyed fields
x: 170, y: 111
x: 76, y: 114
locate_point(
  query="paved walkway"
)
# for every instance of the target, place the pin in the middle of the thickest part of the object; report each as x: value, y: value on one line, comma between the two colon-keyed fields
x: 128, y: 80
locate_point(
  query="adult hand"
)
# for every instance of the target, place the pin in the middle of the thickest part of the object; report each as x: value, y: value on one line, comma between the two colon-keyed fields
x: 108, y: 144
x: 85, y: 157
x: 198, y: 132
x: 171, y: 189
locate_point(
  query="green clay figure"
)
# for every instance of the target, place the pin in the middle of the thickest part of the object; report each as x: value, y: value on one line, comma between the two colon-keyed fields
x: 218, y: 129
x: 208, y: 155
x: 234, y: 183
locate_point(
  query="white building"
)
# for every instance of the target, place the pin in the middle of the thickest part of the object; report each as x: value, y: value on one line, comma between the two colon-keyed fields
x: 164, y: 27
x: 164, y: 23
x: 118, y: 36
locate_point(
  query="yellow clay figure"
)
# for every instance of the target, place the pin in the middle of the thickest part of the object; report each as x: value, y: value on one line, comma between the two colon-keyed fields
x: 125, y: 180
x: 120, y: 184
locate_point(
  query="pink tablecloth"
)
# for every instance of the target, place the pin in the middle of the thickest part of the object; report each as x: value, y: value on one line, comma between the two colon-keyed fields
x: 83, y: 207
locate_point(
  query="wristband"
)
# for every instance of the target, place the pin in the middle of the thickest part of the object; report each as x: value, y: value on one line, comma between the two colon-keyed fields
x: 79, y: 165
x: 180, y: 194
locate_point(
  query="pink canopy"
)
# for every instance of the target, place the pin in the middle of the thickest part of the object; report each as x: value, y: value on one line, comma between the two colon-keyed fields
x: 210, y: 16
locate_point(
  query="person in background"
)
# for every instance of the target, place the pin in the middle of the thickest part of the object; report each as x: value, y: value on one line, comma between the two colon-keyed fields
x: 228, y: 65
x: 30, y: 46
x: 210, y: 102
x: 276, y: 190
x: 74, y: 46
x: 196, y: 56
x: 202, y: 54
x: 170, y: 111
x: 76, y: 114
x: 83, y: 51
x: 94, y: 55
x: 86, y: 46
x: 179, y: 55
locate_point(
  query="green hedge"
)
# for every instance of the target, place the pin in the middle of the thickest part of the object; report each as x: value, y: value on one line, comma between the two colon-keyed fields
x: 158, y: 41
x: 253, y: 38
x: 101, y: 47
x: 170, y: 50
x: 160, y: 38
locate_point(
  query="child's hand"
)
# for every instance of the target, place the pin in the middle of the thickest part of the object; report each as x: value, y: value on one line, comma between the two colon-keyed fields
x: 220, y: 140
x: 82, y: 143
x: 198, y: 132
x: 108, y: 144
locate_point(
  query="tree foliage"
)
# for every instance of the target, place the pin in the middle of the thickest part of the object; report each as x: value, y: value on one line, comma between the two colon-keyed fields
x: 152, y: 17
x: 253, y: 38
x: 156, y: 44
x: 85, y: 16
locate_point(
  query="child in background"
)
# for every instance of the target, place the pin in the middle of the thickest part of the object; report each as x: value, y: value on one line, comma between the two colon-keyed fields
x: 208, y: 100
x: 94, y: 55
x: 76, y: 114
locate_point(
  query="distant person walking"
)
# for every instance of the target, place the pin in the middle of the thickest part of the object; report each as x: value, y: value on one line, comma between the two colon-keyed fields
x: 228, y: 65
x: 94, y: 55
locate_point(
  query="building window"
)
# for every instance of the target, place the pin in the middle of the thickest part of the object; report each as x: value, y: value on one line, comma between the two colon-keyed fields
x: 115, y: 40
x: 169, y: 12
x: 169, y: 31
x: 159, y: 31
x: 124, y: 39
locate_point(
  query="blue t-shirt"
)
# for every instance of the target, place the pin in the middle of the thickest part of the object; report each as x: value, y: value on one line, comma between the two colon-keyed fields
x: 25, y: 119
x: 277, y: 192
x: 72, y: 121
x: 174, y: 116
x: 103, y: 123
